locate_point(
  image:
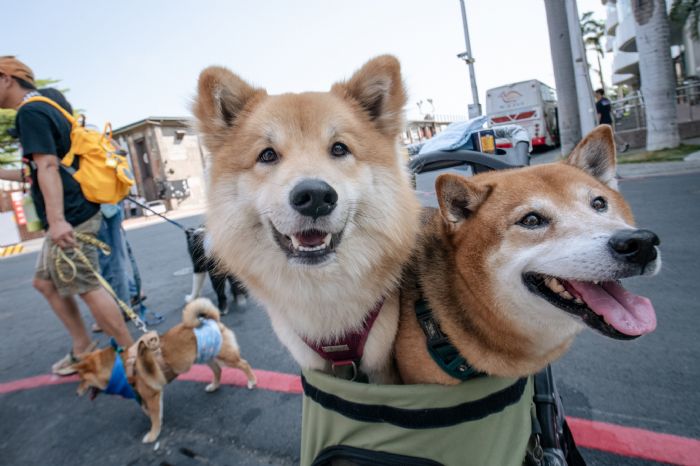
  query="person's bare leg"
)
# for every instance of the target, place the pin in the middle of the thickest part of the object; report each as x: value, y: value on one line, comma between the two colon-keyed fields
x: 107, y: 314
x: 66, y: 309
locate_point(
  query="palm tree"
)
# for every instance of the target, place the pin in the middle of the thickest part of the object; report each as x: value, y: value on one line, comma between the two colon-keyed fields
x: 656, y: 73
x: 593, y: 31
x: 567, y: 101
x: 681, y: 10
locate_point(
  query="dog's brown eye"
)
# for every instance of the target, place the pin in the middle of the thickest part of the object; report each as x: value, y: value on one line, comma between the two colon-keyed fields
x: 599, y: 204
x: 268, y: 156
x: 339, y: 150
x: 532, y: 220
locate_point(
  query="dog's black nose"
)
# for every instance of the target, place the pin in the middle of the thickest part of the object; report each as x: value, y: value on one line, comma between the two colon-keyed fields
x: 313, y: 198
x: 634, y: 246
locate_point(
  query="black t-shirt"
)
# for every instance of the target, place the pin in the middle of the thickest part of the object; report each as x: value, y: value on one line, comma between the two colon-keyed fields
x: 43, y: 129
x: 603, y: 108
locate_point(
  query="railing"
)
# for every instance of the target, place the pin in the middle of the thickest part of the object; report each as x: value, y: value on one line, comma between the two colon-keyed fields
x: 629, y: 113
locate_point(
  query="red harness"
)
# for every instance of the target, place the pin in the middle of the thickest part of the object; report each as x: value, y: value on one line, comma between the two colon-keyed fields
x: 347, y: 350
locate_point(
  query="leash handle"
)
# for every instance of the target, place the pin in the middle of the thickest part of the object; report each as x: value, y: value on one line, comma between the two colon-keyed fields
x: 61, y: 257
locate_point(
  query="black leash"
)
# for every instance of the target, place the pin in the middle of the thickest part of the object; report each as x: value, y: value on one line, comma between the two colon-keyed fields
x: 179, y: 225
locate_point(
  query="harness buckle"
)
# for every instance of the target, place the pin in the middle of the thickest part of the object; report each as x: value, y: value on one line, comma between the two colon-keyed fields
x: 344, y: 364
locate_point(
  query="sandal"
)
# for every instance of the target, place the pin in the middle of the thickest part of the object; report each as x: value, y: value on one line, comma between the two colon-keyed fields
x: 64, y: 366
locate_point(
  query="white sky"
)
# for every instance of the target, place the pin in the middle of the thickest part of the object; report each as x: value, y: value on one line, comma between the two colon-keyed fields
x: 124, y: 61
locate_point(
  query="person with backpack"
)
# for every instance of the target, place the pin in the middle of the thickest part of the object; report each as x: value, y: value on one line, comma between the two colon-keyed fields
x: 45, y: 136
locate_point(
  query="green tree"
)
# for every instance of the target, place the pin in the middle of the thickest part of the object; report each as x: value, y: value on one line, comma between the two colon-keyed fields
x: 8, y: 144
x: 593, y: 31
x: 682, y: 10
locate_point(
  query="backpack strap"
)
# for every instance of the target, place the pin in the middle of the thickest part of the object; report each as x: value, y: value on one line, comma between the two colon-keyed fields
x: 46, y: 100
x: 68, y: 158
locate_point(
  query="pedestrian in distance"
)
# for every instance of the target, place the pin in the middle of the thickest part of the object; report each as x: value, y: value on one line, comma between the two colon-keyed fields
x: 602, y: 107
x: 44, y: 135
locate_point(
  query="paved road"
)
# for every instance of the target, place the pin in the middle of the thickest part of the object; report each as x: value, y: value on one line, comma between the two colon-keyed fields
x: 651, y: 383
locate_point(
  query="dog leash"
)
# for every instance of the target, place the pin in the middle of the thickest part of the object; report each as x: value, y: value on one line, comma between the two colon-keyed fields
x: 62, y: 258
x: 177, y: 224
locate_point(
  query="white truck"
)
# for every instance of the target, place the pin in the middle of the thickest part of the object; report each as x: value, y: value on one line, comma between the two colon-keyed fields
x: 530, y: 104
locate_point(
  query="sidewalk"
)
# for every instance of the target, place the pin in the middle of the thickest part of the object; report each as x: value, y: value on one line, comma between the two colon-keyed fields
x: 635, y: 170
x: 146, y: 221
x: 129, y: 224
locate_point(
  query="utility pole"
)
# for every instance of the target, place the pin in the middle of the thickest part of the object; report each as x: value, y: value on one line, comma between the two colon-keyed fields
x: 584, y: 91
x: 475, y: 108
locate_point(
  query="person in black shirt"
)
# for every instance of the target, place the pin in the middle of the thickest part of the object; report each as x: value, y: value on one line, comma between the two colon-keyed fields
x: 602, y: 107
x: 44, y: 135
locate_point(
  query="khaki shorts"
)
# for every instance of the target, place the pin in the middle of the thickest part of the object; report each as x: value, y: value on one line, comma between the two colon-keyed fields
x: 84, y: 280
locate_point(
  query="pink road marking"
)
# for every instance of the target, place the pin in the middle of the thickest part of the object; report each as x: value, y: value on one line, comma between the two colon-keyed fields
x: 611, y: 438
x: 640, y: 443
x: 267, y: 380
x: 35, y: 382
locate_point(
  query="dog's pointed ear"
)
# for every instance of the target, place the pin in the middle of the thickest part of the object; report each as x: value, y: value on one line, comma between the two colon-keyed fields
x: 379, y: 90
x: 80, y: 366
x: 459, y: 197
x: 221, y: 99
x: 595, y: 155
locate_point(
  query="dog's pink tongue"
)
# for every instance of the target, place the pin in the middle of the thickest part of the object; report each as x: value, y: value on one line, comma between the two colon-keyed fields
x: 310, y: 238
x: 627, y: 312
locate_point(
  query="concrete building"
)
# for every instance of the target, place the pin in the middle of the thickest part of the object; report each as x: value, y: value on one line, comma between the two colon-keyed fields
x: 620, y: 35
x: 167, y: 160
x: 621, y: 42
x: 628, y: 108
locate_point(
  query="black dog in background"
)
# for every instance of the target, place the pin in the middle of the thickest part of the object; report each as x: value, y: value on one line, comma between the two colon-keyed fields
x: 203, y: 264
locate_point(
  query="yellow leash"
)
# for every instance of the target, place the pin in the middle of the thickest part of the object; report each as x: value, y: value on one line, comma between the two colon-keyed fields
x: 62, y: 260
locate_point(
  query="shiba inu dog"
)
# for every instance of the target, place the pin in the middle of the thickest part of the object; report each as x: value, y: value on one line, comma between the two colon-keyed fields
x: 311, y: 206
x: 515, y: 263
x: 141, y: 371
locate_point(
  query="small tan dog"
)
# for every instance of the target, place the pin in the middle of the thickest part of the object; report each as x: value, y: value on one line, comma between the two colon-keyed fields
x: 515, y: 263
x: 145, y: 368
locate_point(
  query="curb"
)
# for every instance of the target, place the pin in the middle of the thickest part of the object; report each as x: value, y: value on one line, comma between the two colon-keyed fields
x: 643, y: 170
x: 11, y: 250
